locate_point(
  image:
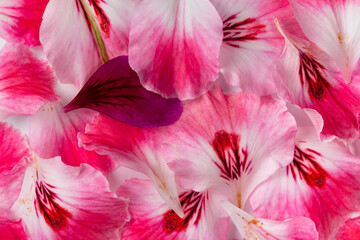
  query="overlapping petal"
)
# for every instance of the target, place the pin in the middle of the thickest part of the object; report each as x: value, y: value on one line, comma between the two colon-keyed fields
x: 153, y: 219
x: 321, y: 183
x: 54, y: 133
x: 349, y: 230
x: 115, y: 90
x: 250, y: 227
x: 333, y: 26
x: 308, y: 77
x: 251, y: 42
x: 175, y: 50
x: 58, y: 201
x: 25, y: 82
x: 11, y: 230
x: 20, y: 20
x: 92, y: 32
x: 14, y: 158
x: 138, y: 149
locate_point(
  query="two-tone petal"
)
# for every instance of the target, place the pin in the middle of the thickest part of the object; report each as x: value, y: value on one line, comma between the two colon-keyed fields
x: 58, y: 201
x: 174, y: 46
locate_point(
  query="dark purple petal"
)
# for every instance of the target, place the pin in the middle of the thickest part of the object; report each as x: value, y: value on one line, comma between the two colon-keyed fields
x: 115, y: 90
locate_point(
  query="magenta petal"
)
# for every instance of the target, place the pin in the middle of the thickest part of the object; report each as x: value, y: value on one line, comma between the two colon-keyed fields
x: 115, y: 90
x: 10, y: 230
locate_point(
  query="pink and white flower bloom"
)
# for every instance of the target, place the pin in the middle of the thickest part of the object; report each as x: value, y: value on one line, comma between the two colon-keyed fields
x: 333, y: 26
x: 308, y: 77
x: 58, y: 201
x: 26, y: 83
x: 321, y: 183
x: 298, y: 228
x: 20, y: 20
x: 251, y: 42
x: 79, y: 35
x: 174, y: 46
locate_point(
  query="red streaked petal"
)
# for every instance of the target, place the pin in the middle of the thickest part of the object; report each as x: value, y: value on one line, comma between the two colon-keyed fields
x: 58, y: 201
x: 115, y: 90
x: 25, y: 82
x: 14, y: 157
x: 175, y: 51
x: 54, y: 133
x: 20, y: 20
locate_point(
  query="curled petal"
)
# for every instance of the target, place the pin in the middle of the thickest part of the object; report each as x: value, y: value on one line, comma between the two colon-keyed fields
x: 175, y: 51
x: 115, y: 90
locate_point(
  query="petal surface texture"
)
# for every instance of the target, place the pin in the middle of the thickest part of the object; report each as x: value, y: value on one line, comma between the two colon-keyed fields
x: 115, y: 90
x: 92, y: 32
x: 333, y: 26
x: 10, y: 230
x: 308, y: 77
x: 14, y: 157
x: 152, y: 219
x: 251, y: 42
x: 20, y: 20
x: 321, y: 183
x: 58, y: 201
x: 25, y: 82
x: 349, y: 230
x: 54, y: 133
x: 176, y: 50
x: 299, y: 228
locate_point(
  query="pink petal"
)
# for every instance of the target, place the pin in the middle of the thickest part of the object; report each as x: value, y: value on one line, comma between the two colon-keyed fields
x: 14, y: 157
x: 58, y: 201
x: 115, y: 90
x: 350, y: 230
x: 83, y: 46
x: 152, y: 219
x: 333, y: 26
x: 54, y: 133
x: 321, y: 183
x: 20, y: 20
x: 25, y: 82
x: 251, y: 42
x: 299, y: 228
x: 216, y: 143
x: 135, y: 148
x: 309, y: 78
x: 175, y: 51
x: 10, y: 230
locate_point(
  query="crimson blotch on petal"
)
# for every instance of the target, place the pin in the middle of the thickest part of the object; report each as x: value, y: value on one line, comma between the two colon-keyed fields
x: 115, y: 90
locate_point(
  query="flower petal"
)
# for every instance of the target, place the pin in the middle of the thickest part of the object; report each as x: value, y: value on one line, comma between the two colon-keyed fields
x: 115, y: 90
x: 20, y: 20
x: 349, y: 230
x: 152, y: 219
x: 321, y: 183
x: 175, y: 51
x: 135, y: 148
x: 92, y: 32
x: 54, y: 133
x: 250, y: 36
x: 58, y: 201
x: 10, y: 230
x: 25, y: 82
x: 309, y: 78
x: 333, y: 26
x: 217, y: 142
x: 298, y: 228
x: 14, y: 157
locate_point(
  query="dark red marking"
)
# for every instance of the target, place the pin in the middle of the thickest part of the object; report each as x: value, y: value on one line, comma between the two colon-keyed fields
x: 54, y: 215
x: 236, y: 31
x: 101, y: 16
x: 231, y: 165
x: 312, y: 72
x: 192, y: 204
x: 307, y: 168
